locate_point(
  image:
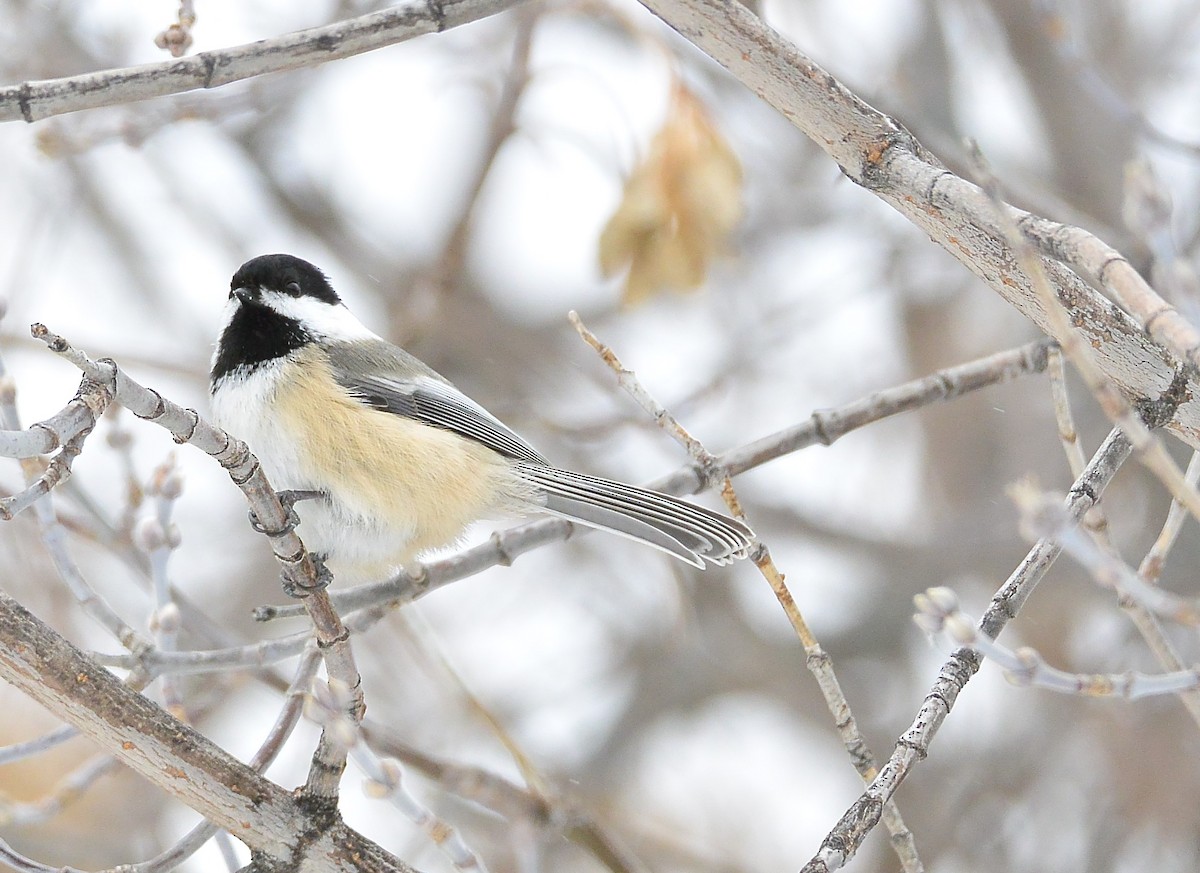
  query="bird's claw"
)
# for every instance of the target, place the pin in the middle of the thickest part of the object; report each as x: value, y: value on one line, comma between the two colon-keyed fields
x: 324, y: 576
x: 288, y: 499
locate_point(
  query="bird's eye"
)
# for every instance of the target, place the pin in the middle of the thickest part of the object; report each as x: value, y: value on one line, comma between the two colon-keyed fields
x: 292, y: 288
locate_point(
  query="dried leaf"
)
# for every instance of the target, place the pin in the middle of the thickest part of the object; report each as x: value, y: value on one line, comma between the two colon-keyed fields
x: 679, y: 206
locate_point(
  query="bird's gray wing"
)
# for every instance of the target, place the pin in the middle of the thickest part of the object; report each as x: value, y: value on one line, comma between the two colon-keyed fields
x: 404, y: 386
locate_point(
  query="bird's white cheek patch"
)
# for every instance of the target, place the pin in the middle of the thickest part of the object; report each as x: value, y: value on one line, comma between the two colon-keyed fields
x: 334, y: 322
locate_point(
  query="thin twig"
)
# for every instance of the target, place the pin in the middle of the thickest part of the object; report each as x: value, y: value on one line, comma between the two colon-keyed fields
x: 1149, y: 571
x: 818, y: 661
x: 45, y: 436
x: 93, y: 398
x: 1147, y: 448
x: 938, y: 611
x: 1042, y: 517
x: 27, y: 749
x: 433, y: 651
x: 1096, y: 520
x: 68, y: 790
x: 860, y: 819
x: 269, y: 749
x: 326, y: 704
x: 447, y: 270
x: 507, y: 798
x: 159, y: 537
x: 21, y: 864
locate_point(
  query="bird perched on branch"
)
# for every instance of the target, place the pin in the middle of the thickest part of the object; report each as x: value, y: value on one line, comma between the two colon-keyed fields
x: 395, y: 459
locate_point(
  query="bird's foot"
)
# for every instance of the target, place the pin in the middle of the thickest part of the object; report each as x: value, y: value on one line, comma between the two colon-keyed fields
x: 289, y: 499
x: 324, y: 577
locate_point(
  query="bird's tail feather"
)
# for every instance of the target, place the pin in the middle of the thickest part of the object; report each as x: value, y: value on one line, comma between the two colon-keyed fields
x: 690, y: 532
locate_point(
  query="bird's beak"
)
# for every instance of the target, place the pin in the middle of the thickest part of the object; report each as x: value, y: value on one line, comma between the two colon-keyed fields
x: 246, y: 295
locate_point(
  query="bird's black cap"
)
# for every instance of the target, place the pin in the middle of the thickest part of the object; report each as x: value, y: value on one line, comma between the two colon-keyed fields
x: 286, y: 274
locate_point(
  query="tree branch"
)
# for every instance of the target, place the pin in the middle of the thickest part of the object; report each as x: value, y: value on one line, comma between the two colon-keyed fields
x: 35, y: 100
x: 876, y: 152
x: 173, y: 756
x: 913, y: 745
x: 186, y: 425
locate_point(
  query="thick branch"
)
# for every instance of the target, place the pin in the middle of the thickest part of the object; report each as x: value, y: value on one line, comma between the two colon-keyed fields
x: 878, y: 153
x: 33, y: 101
x: 173, y: 756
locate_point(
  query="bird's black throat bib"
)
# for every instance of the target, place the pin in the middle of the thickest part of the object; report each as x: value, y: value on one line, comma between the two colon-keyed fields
x: 254, y: 336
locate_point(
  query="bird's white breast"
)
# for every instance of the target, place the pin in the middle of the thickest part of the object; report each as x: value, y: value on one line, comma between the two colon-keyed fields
x: 243, y: 404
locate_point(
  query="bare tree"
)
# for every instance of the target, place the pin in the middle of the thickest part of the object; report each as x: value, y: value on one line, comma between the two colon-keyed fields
x: 593, y: 707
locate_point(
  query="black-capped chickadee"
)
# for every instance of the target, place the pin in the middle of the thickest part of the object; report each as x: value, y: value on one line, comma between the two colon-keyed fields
x: 402, y: 459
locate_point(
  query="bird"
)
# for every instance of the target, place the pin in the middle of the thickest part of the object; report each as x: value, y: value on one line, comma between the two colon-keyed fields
x: 388, y: 459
